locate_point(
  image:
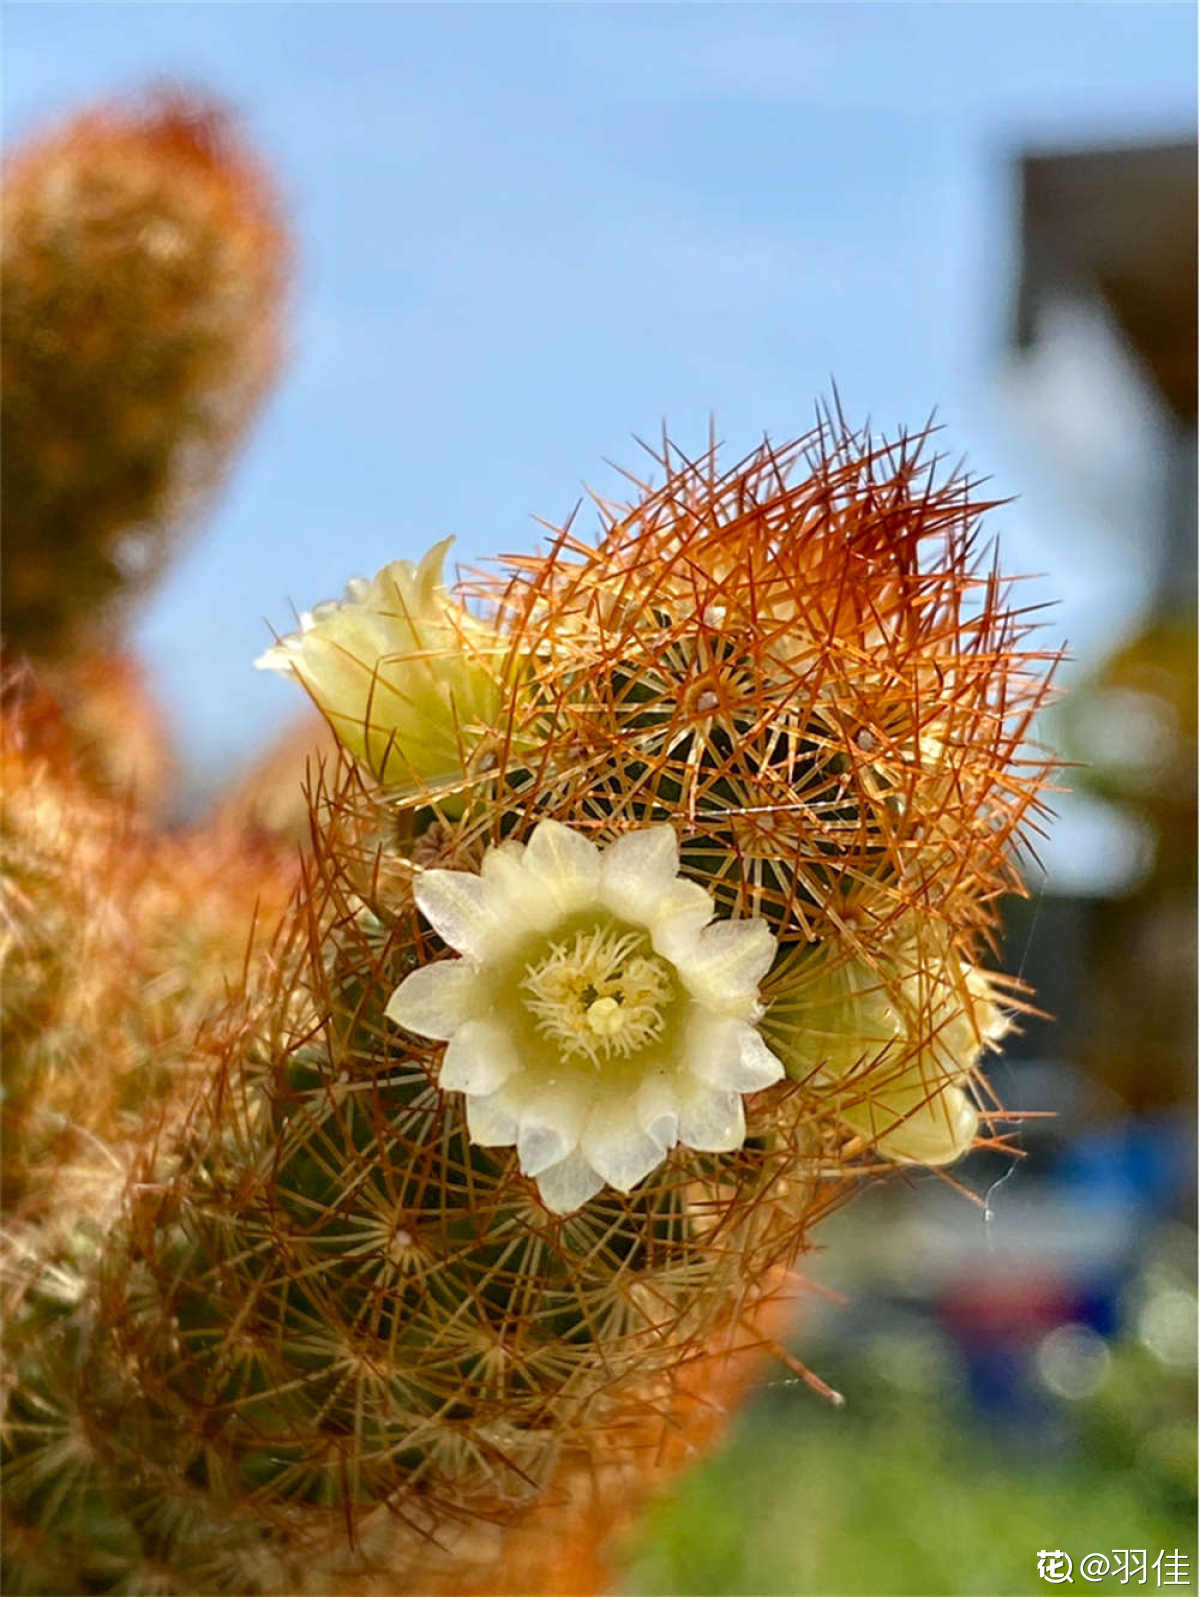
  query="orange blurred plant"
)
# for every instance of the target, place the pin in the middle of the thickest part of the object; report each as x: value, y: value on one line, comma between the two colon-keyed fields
x: 142, y: 274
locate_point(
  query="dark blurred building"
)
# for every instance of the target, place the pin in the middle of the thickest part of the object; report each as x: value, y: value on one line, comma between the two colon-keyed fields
x: 1114, y: 232
x: 1119, y: 226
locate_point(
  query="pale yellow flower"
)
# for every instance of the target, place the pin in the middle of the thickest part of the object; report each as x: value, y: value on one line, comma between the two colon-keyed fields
x: 410, y: 683
x: 896, y: 1044
x: 595, y: 1018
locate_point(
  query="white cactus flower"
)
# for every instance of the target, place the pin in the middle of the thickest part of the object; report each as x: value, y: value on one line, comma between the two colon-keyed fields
x: 595, y: 1017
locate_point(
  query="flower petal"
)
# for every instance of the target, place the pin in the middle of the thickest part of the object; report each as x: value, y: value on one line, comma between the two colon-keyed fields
x: 758, y: 1067
x: 551, y: 1121
x: 712, y: 1121
x: 565, y: 865
x: 936, y: 1132
x: 616, y: 1146
x: 512, y: 893
x: 434, y: 1000
x: 729, y: 1055
x: 678, y: 918
x: 569, y: 1185
x: 710, y: 1049
x: 492, y: 1119
x: 725, y: 964
x: 454, y: 904
x: 638, y: 871
x: 479, y: 1058
x: 657, y: 1106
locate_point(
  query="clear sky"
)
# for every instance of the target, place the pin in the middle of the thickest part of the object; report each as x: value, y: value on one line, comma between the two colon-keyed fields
x: 529, y: 232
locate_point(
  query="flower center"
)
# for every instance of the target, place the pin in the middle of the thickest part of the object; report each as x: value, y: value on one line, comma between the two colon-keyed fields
x: 599, y: 993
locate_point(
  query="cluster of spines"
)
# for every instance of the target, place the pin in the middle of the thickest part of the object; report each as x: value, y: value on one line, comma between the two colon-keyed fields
x: 338, y: 1316
x: 821, y: 670
x: 809, y: 666
x: 119, y: 948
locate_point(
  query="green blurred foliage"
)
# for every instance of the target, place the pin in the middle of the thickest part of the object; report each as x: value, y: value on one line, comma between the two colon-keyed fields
x: 905, y: 1493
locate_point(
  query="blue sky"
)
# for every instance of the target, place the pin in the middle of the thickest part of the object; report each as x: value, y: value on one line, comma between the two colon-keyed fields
x: 527, y: 233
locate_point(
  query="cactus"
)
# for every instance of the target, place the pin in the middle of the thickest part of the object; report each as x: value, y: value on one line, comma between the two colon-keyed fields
x: 142, y: 273
x: 116, y: 943
x: 512, y: 1138
x: 269, y: 796
x: 121, y: 739
x: 143, y: 267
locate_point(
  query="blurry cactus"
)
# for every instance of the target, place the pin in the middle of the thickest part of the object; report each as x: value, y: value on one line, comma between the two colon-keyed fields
x: 119, y: 733
x: 651, y: 915
x: 270, y: 795
x: 115, y: 944
x: 142, y: 276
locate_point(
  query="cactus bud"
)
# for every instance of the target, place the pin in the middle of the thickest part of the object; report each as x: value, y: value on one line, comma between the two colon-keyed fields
x: 407, y: 680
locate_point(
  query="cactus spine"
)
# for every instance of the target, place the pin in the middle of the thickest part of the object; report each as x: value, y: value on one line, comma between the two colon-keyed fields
x: 335, y: 1338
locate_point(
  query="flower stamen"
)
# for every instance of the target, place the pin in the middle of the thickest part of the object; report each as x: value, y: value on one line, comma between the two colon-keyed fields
x: 598, y: 994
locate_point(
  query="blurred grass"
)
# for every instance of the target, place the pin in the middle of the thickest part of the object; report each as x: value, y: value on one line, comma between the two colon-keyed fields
x: 907, y: 1491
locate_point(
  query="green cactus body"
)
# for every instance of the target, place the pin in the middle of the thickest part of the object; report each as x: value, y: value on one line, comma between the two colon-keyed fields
x: 352, y: 1325
x: 337, y: 1303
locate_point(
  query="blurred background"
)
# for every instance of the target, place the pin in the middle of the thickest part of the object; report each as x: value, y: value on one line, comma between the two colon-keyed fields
x: 526, y: 235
